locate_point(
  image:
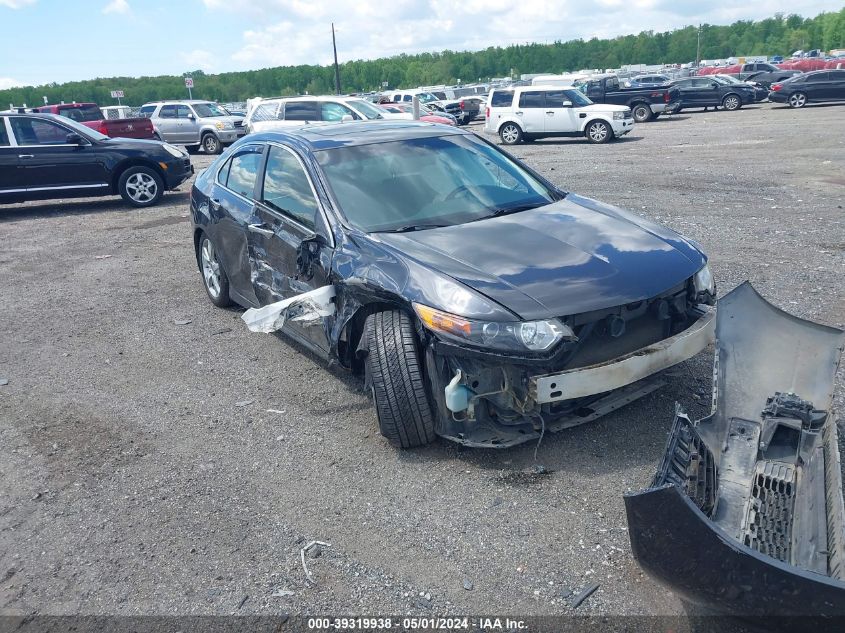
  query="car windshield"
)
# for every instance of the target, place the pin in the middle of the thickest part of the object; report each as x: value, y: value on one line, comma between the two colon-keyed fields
x: 428, y: 182
x: 209, y: 110
x: 84, y: 130
x: 365, y: 108
x: 577, y: 97
x: 425, y: 97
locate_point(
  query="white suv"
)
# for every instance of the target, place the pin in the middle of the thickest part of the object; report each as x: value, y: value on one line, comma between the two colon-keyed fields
x: 529, y: 112
x: 273, y: 114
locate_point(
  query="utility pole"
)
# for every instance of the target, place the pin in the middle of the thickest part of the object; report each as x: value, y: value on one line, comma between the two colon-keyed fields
x: 336, y: 67
x: 698, y: 49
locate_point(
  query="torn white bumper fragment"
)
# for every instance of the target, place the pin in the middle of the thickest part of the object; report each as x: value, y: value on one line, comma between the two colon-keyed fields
x: 308, y: 307
x: 622, y: 371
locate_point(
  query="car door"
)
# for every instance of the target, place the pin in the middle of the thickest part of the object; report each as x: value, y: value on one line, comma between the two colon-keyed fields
x: 818, y: 87
x: 189, y: 124
x: 690, y: 97
x: 531, y: 112
x: 47, y: 161
x: 560, y: 114
x: 289, y: 242
x: 231, y: 210
x: 8, y: 162
x: 837, y: 85
x: 167, y: 123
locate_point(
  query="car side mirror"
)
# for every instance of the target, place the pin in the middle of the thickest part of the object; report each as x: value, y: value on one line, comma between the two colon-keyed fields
x: 567, y: 104
x: 74, y: 139
x: 346, y: 118
x: 192, y: 117
x: 714, y: 85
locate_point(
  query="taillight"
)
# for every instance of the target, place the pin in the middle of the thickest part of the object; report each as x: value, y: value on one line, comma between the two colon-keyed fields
x: 666, y: 96
x: 462, y: 104
x: 776, y: 87
x: 487, y: 113
x: 102, y: 129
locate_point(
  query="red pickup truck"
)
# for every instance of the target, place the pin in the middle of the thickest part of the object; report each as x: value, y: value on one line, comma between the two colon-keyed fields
x: 90, y: 114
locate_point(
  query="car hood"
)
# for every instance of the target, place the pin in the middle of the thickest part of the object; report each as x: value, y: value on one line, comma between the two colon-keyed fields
x: 603, y: 107
x: 568, y: 257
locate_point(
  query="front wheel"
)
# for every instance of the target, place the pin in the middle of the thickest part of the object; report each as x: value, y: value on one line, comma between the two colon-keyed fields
x: 797, y: 100
x: 642, y: 113
x: 511, y: 134
x: 140, y: 186
x: 396, y: 377
x: 599, y: 132
x: 731, y: 102
x: 211, y: 144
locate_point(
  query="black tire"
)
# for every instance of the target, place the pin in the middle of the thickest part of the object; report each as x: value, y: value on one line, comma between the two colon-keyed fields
x: 642, y: 112
x: 140, y: 186
x: 797, y: 100
x: 510, y: 133
x: 211, y: 144
x: 732, y: 102
x: 218, y: 293
x: 397, y: 378
x: 598, y: 131
x: 192, y: 149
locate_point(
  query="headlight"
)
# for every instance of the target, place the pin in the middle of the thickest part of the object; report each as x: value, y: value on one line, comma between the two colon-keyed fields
x: 173, y: 151
x: 618, y: 116
x: 518, y: 336
x: 220, y: 125
x: 703, y: 281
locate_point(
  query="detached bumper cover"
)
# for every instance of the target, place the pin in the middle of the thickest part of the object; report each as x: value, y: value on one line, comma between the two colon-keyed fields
x: 587, y: 381
x: 745, y: 516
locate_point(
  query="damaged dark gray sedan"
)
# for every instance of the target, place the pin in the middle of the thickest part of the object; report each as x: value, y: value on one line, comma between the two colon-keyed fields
x: 482, y: 303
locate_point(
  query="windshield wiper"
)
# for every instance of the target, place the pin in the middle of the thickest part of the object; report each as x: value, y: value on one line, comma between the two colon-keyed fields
x: 515, y: 209
x: 413, y: 227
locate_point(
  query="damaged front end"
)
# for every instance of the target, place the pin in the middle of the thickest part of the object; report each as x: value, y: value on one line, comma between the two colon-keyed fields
x: 745, y: 515
x: 607, y: 359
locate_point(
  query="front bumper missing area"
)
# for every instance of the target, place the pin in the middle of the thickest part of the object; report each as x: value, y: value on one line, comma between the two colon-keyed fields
x: 620, y: 372
x: 745, y: 516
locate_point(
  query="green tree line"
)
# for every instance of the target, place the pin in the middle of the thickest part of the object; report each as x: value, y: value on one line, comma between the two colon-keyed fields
x: 779, y: 34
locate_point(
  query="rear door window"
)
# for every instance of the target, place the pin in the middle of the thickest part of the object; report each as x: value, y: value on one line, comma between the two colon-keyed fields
x: 531, y: 99
x: 816, y: 79
x: 240, y: 171
x: 301, y: 111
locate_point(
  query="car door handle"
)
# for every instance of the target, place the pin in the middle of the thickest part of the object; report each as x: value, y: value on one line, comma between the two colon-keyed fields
x: 550, y: 112
x: 26, y: 155
x: 519, y: 113
x: 261, y: 229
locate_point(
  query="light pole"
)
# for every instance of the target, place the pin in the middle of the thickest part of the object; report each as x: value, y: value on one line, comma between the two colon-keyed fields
x: 336, y: 68
x: 698, y: 49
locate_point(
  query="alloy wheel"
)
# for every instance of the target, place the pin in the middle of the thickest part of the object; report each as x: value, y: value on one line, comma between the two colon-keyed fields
x: 731, y: 103
x: 141, y: 187
x: 510, y: 134
x: 598, y: 132
x: 210, y: 267
x: 798, y: 100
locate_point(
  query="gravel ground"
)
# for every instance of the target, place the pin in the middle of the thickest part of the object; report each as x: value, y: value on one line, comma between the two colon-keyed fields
x: 152, y: 467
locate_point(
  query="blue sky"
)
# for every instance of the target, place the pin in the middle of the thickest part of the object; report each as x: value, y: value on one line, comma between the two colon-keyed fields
x: 58, y: 40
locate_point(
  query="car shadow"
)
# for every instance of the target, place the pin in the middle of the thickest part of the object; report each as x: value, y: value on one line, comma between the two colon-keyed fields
x: 581, y: 141
x: 82, y: 206
x: 663, y: 118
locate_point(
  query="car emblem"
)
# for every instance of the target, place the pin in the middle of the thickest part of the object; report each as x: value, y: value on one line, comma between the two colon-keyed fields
x: 130, y: 127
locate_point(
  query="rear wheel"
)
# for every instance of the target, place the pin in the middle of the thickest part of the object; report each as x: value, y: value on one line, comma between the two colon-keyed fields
x: 396, y: 376
x: 642, y: 113
x: 731, y: 102
x: 214, y: 278
x: 797, y: 100
x: 599, y: 132
x: 510, y: 133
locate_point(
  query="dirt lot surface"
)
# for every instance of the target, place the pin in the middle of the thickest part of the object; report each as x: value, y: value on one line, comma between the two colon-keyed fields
x: 157, y: 458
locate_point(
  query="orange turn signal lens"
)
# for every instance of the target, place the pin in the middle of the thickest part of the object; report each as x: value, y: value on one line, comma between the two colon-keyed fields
x: 443, y: 321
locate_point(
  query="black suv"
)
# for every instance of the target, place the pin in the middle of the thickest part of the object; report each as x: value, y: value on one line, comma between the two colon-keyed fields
x: 44, y: 156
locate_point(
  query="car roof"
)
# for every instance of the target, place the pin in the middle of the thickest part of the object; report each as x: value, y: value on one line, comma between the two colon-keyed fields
x: 38, y: 115
x: 330, y: 136
x: 178, y: 102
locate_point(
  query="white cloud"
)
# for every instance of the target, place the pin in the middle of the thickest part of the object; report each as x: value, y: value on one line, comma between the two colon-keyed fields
x: 16, y: 4
x: 198, y: 59
x: 117, y: 7
x: 8, y: 82
x: 369, y: 29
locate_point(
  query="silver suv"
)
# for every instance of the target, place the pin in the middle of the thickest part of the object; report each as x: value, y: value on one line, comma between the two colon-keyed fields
x: 194, y: 124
